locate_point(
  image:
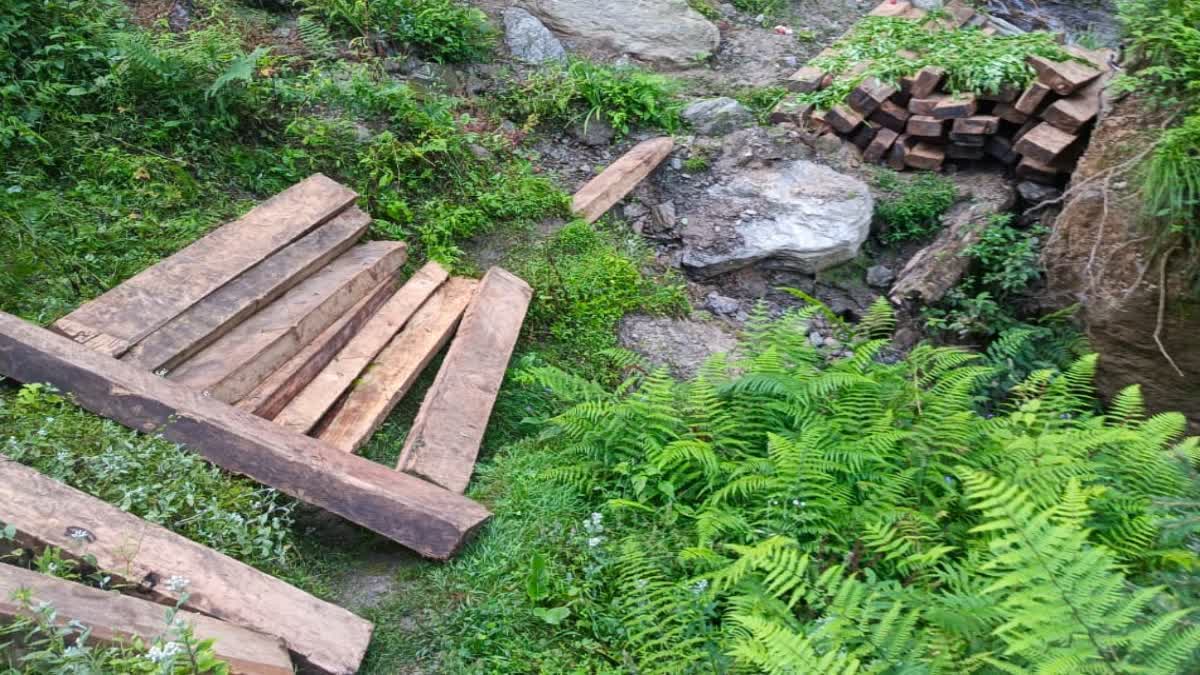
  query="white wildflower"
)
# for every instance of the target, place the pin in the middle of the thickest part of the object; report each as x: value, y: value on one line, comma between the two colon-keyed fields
x: 595, y: 541
x: 700, y: 586
x: 177, y: 584
x: 164, y: 653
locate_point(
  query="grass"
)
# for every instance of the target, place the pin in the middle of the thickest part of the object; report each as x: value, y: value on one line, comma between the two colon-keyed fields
x: 912, y: 207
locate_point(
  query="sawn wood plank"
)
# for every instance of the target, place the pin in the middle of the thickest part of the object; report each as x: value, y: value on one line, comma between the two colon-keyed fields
x: 598, y: 196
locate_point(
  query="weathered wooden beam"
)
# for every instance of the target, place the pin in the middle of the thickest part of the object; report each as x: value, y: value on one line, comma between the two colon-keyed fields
x: 1064, y: 77
x: 926, y: 81
x: 426, y: 518
x: 843, y: 119
x: 926, y: 156
x: 143, y: 556
x: 445, y: 438
x: 892, y: 115
x: 234, y: 365
x: 1009, y: 113
x: 1072, y: 113
x: 1044, y: 143
x: 869, y: 95
x: 598, y: 196
x: 976, y: 125
x: 924, y: 126
x: 309, y: 406
x: 884, y: 138
x: 1032, y: 98
x: 959, y: 105
x: 118, y: 619
x: 210, y: 318
x: 396, y: 368
x: 805, y: 80
x: 115, y: 321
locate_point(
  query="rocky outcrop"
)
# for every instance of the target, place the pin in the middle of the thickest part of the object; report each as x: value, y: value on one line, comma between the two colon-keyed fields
x: 794, y: 215
x: 717, y: 116
x: 528, y: 40
x: 1099, y: 256
x: 659, y: 32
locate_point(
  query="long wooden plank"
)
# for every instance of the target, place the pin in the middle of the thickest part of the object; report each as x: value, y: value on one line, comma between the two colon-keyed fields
x: 202, y: 323
x: 445, y: 438
x: 271, y: 395
x: 115, y: 618
x: 304, y: 411
x: 115, y: 321
x: 144, y: 556
x: 231, y: 367
x: 368, y: 404
x: 598, y: 196
x: 430, y: 520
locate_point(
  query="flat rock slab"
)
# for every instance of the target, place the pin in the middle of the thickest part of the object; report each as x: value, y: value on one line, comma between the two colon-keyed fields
x: 660, y: 32
x: 680, y: 345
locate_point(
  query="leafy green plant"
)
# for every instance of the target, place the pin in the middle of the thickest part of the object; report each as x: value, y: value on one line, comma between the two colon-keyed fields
x: 913, y: 208
x: 761, y: 100
x: 1008, y: 258
x: 765, y: 7
x: 705, y: 9
x: 1171, y: 186
x: 697, y: 162
x: 443, y: 30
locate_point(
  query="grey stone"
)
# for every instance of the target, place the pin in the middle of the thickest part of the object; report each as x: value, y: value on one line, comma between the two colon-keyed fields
x: 593, y: 131
x: 717, y: 116
x: 634, y: 210
x: 528, y: 39
x: 808, y: 218
x: 880, y: 276
x: 661, y: 32
x: 928, y: 5
x: 664, y: 214
x: 681, y: 345
x: 721, y: 304
x: 1036, y: 193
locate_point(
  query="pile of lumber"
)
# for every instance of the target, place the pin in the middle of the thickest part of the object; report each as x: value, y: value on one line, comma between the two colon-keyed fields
x: 917, y: 123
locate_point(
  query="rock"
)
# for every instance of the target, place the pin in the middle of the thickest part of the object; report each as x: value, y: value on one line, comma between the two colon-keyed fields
x: 659, y: 32
x: 717, y: 116
x: 1036, y: 193
x: 928, y: 5
x: 807, y: 218
x: 528, y: 39
x: 682, y: 345
x: 594, y: 131
x: 720, y: 304
x: 880, y: 276
x: 664, y: 214
x: 634, y: 210
x: 179, y: 17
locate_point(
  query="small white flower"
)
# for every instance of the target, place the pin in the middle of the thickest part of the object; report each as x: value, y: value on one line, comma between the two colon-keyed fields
x: 700, y: 586
x: 164, y: 653
x: 597, y: 517
x: 795, y: 502
x: 177, y: 584
x: 595, y: 541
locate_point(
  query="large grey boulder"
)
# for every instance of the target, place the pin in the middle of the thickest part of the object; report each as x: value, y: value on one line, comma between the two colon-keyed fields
x: 528, y: 39
x: 660, y: 32
x: 796, y: 215
x: 717, y: 116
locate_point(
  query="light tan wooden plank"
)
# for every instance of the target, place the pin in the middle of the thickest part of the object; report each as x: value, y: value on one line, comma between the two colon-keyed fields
x: 272, y: 394
x: 428, y: 519
x: 115, y: 618
x: 115, y: 321
x: 143, y: 556
x: 445, y: 438
x: 308, y: 407
x: 231, y: 367
x: 611, y: 186
x: 389, y: 378
x: 202, y: 323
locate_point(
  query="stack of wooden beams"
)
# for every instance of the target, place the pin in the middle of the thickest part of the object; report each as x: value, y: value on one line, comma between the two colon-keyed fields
x: 917, y: 123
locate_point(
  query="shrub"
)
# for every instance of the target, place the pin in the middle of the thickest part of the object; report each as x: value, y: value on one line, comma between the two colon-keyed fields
x: 446, y: 31
x: 913, y: 208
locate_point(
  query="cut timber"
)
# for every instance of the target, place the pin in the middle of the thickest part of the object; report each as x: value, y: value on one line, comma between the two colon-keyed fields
x: 805, y: 80
x: 961, y: 105
x: 117, y: 619
x: 790, y: 110
x: 1072, y: 113
x: 368, y: 404
x: 1038, y: 172
x: 1032, y: 98
x: 1009, y: 113
x: 864, y: 134
x: 202, y: 323
x: 115, y: 321
x: 275, y: 392
x: 143, y: 556
x: 892, y: 116
x: 421, y: 516
x: 868, y: 96
x: 448, y: 430
x: 924, y: 105
x: 980, y: 125
x: 598, y: 196
x: 924, y: 126
x: 899, y: 152
x: 234, y: 365
x: 926, y: 156
x: 926, y: 81
x: 304, y: 411
x: 1064, y: 77
x: 1044, y: 143
x: 884, y: 138
x: 843, y: 119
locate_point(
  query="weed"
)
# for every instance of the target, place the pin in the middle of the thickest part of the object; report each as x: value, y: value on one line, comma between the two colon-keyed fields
x: 913, y: 208
x: 761, y: 100
x: 705, y: 8
x: 764, y: 7
x: 697, y: 162
x: 443, y: 30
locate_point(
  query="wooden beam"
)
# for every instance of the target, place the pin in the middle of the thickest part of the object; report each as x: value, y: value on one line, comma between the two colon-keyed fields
x: 143, y: 556
x: 1064, y: 77
x: 202, y: 323
x: 310, y: 405
x: 598, y: 196
x: 445, y: 438
x: 115, y: 321
x: 1044, y: 143
x: 1032, y: 98
x: 234, y: 365
x: 271, y: 395
x: 117, y: 619
x: 396, y: 368
x: 417, y: 514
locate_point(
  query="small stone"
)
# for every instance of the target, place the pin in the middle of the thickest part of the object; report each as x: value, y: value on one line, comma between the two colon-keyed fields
x: 593, y: 131
x: 634, y: 210
x: 720, y: 304
x: 880, y: 276
x: 1036, y: 193
x: 832, y: 343
x: 528, y: 39
x: 815, y: 339
x: 664, y: 214
x: 717, y: 116
x: 676, y: 163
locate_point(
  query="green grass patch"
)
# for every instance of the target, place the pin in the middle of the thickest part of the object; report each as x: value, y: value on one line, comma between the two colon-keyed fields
x: 446, y: 31
x: 912, y: 208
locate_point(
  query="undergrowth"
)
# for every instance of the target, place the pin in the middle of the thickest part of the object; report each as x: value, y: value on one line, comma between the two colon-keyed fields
x: 446, y: 31
x: 912, y: 209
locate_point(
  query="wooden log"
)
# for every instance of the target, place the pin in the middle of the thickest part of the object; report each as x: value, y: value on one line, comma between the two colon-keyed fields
x: 115, y: 321
x: 961, y: 105
x: 234, y: 365
x: 843, y: 119
x: 899, y: 152
x: 143, y: 556
x: 1033, y: 97
x: 976, y: 125
x: 1044, y: 143
x: 397, y: 367
x: 272, y: 394
x: 926, y: 81
x: 1072, y: 113
x: 924, y: 105
x: 924, y: 126
x: 428, y: 519
x: 1038, y: 171
x: 790, y: 110
x: 805, y: 80
x: 598, y: 196
x: 311, y: 404
x: 892, y: 116
x: 1064, y: 77
x: 1009, y: 113
x: 869, y: 95
x: 880, y: 145
x: 210, y: 318
x: 926, y: 156
x: 445, y: 438
x: 117, y: 619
